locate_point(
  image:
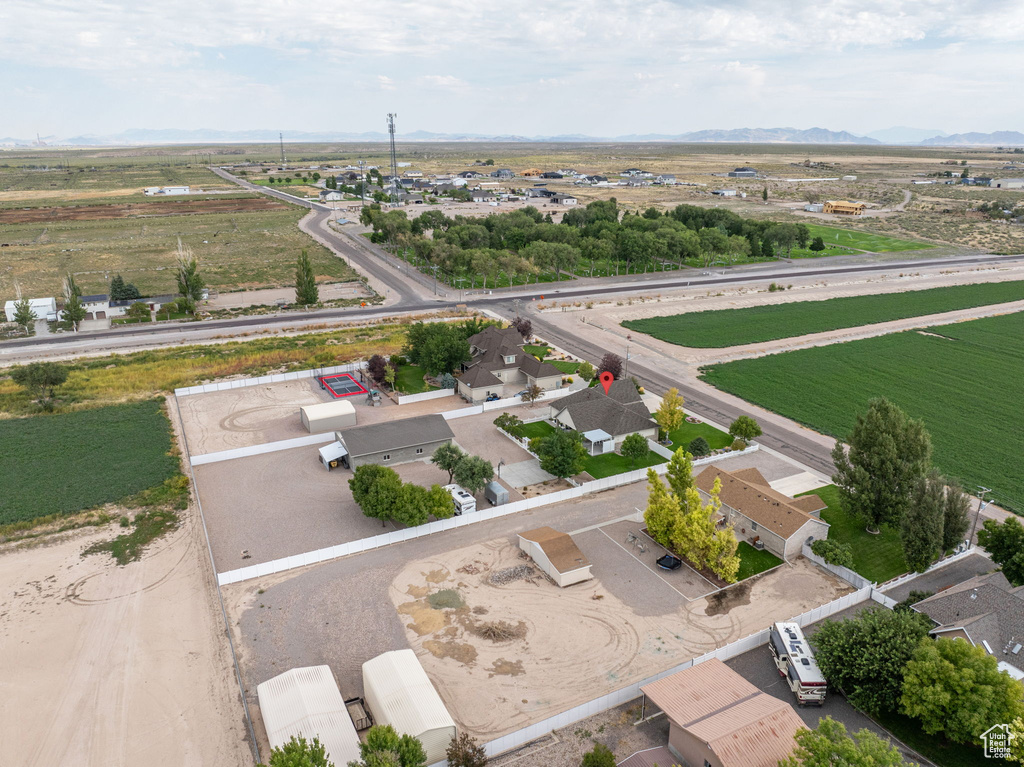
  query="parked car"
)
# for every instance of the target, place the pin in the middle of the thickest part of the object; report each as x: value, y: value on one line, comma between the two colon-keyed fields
x: 493, y: 397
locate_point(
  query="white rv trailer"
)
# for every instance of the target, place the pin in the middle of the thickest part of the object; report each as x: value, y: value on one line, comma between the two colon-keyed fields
x: 795, y: 661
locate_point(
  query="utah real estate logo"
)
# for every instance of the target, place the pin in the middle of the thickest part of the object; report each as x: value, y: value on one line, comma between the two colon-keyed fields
x: 997, y: 741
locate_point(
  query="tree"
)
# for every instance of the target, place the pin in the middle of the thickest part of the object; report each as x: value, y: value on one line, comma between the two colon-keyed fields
x: 693, y: 536
x: 586, y: 371
x: 611, y: 363
x: 439, y: 503
x: 473, y: 473
x: 447, y: 457
x: 956, y: 688
x: 413, y: 505
x: 446, y: 381
x: 956, y: 507
x: 888, y: 452
x: 921, y: 527
x: 680, y: 472
x: 389, y: 376
x: 138, y: 311
x: 510, y: 424
x: 699, y: 447
x: 377, y: 490
x: 833, y: 552
x: 23, y: 313
x: 438, y: 347
x: 662, y: 513
x: 865, y: 656
x: 764, y: 194
x: 1005, y: 545
x: 561, y: 453
x: 817, y: 244
x: 298, y: 752
x: 532, y: 393
x: 464, y: 751
x: 524, y: 326
x: 40, y: 377
x: 190, y: 282
x: 306, y: 291
x: 634, y: 447
x: 830, y: 746
x: 383, y: 740
x: 376, y: 366
x: 74, y: 311
x: 722, y: 557
x: 599, y: 756
x: 745, y: 428
x: 912, y: 599
x: 669, y: 414
x: 123, y: 291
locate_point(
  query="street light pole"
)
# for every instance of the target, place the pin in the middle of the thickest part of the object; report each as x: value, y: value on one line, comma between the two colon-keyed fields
x: 982, y: 503
x: 629, y: 338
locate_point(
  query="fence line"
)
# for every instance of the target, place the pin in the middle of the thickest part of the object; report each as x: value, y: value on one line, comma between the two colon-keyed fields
x: 406, y: 399
x: 631, y: 692
x: 854, y: 579
x: 899, y: 581
x: 482, y: 515
x: 242, y: 383
x: 266, y: 447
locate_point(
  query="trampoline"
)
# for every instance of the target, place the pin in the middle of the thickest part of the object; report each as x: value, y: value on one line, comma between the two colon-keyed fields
x: 342, y: 385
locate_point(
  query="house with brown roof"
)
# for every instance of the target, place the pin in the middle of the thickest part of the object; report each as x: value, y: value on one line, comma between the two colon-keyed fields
x: 498, y: 361
x: 845, y: 207
x: 618, y: 413
x: 719, y: 719
x: 985, y: 611
x: 764, y: 517
x: 557, y: 555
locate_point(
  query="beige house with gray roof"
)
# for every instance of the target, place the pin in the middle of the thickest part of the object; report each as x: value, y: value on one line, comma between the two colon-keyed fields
x: 618, y: 413
x: 498, y: 361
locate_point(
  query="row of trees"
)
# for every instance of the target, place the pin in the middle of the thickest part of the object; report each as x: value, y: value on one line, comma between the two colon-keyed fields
x: 677, y: 519
x: 382, y: 747
x: 381, y: 494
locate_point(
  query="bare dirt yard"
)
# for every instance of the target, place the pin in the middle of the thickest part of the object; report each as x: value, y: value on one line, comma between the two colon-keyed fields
x: 505, y: 647
x: 138, y: 210
x: 108, y: 665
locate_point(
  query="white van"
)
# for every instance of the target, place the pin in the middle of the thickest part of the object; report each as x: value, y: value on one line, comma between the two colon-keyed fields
x: 464, y: 501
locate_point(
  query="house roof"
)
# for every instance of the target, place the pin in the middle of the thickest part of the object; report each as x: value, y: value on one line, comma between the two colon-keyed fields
x: 479, y: 376
x: 743, y: 726
x: 492, y: 345
x: 98, y: 298
x: 621, y: 411
x: 651, y: 757
x: 749, y: 493
x: 394, y: 435
x: 987, y: 608
x: 559, y: 548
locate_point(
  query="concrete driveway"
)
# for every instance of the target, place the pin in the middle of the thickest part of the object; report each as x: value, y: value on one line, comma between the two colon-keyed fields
x: 525, y: 473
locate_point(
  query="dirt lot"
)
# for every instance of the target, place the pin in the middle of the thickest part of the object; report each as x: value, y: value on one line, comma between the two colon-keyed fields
x: 108, y: 665
x: 565, y: 636
x: 137, y: 210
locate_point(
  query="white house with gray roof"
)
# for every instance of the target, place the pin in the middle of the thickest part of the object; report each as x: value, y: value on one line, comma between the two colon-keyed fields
x: 618, y: 413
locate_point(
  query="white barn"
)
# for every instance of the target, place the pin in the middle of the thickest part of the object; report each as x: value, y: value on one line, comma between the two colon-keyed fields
x: 306, y: 701
x: 398, y: 692
x: 328, y: 416
x: 41, y: 307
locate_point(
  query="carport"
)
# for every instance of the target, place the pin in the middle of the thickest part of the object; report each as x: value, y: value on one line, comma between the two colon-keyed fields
x: 598, y: 442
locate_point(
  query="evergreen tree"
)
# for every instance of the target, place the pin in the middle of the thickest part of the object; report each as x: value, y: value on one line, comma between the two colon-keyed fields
x: 23, y: 313
x: 306, y: 291
x: 73, y: 311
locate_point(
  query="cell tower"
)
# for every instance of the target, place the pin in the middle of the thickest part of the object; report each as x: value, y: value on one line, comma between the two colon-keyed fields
x: 394, y: 161
x: 281, y: 137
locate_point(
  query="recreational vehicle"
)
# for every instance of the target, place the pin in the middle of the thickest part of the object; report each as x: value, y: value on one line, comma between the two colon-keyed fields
x: 795, y: 661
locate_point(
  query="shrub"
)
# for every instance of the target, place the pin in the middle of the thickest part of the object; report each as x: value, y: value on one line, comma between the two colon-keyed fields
x: 699, y: 447
x: 738, y: 444
x: 446, y: 598
x: 586, y: 371
x: 599, y: 756
x: 833, y: 552
x: 817, y: 244
x: 912, y: 599
x: 446, y: 381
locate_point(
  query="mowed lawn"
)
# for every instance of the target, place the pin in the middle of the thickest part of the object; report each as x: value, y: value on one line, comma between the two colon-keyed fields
x: 610, y: 464
x: 685, y: 434
x: 757, y: 324
x: 965, y: 385
x: 60, y: 464
x: 754, y: 561
x: 409, y: 380
x: 877, y: 557
x: 859, y: 240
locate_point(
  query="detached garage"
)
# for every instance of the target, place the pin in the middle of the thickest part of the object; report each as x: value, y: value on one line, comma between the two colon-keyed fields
x: 557, y: 555
x: 306, y: 702
x: 399, y: 693
x: 328, y: 416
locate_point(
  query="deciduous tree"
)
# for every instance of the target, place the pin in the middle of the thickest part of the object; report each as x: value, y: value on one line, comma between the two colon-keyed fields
x: 447, y: 457
x: 473, y: 473
x: 524, y: 326
x: 190, y: 282
x: 586, y: 371
x: 439, y: 503
x: 722, y: 554
x: 634, y: 447
x: 662, y: 513
x: 40, y: 377
x: 298, y: 752
x: 561, y: 453
x: 670, y: 414
x: 956, y: 507
x: 921, y: 527
x: 599, y: 756
x: 377, y: 490
x: 888, y: 452
x: 680, y: 473
x: 306, y: 291
x: 383, y: 740
x: 611, y: 363
x: 464, y: 751
x: 829, y: 746
x: 74, y: 311
x: 745, y: 428
x: 1005, y: 545
x: 833, y: 552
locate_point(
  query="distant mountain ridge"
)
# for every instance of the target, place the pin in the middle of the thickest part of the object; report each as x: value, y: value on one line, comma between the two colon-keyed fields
x: 823, y: 136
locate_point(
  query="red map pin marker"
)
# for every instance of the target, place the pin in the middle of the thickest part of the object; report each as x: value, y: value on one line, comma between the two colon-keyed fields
x: 606, y: 379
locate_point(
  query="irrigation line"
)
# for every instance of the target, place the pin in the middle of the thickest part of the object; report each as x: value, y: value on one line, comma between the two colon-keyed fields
x: 220, y: 596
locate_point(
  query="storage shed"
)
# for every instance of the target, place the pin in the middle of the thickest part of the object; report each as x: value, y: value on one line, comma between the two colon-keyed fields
x: 328, y: 416
x: 557, y: 555
x: 399, y: 693
x: 306, y: 701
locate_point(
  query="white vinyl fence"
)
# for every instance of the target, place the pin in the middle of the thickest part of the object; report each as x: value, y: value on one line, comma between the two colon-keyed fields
x: 242, y: 383
x: 908, y: 577
x: 407, y: 399
x: 856, y: 580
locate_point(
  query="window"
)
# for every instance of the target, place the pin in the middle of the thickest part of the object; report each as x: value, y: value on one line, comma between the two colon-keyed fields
x: 386, y: 456
x: 510, y: 358
x: 753, y: 525
x: 419, y: 451
x: 707, y: 763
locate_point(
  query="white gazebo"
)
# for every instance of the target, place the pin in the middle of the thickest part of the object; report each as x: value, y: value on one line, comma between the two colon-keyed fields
x: 598, y: 442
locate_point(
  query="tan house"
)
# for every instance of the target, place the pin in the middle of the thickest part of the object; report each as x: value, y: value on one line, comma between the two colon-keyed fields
x: 719, y: 719
x: 557, y: 555
x: 845, y: 208
x: 498, y: 361
x: 617, y: 414
x: 532, y: 172
x: 764, y: 517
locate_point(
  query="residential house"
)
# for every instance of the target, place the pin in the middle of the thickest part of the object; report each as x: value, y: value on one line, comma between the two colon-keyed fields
x: 330, y: 195
x: 718, y: 719
x: 552, y: 174
x: 413, y: 174
x: 557, y: 555
x: 636, y: 173
x: 985, y: 611
x: 482, y: 195
x: 845, y: 208
x: 97, y: 307
x: 744, y: 172
x: 762, y: 516
x: 503, y: 173
x: 411, y: 199
x: 617, y: 414
x: 531, y: 172
x: 538, y: 191
x: 563, y: 199
x: 666, y: 179
x: 498, y: 360
x: 391, y: 442
x: 470, y: 174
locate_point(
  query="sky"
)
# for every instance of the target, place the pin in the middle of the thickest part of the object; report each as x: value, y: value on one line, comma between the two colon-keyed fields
x: 593, y: 67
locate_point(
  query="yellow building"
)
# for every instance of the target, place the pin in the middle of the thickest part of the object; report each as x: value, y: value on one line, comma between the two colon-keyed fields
x: 532, y: 172
x: 844, y: 207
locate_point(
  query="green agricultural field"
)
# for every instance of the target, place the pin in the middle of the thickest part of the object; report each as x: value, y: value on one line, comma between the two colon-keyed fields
x: 757, y: 324
x: 858, y: 240
x: 236, y: 251
x: 127, y: 176
x: 963, y: 380
x: 60, y: 464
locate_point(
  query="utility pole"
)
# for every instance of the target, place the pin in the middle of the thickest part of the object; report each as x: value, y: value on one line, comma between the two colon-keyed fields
x: 281, y: 138
x: 982, y: 503
x: 394, y: 161
x: 434, y: 269
x: 362, y: 189
x: 629, y: 338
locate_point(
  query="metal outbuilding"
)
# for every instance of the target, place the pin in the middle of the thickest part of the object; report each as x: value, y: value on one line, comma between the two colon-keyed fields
x: 399, y: 693
x: 306, y: 701
x: 328, y: 416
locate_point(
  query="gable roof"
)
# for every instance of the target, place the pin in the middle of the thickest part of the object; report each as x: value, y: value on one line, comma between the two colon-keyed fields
x: 559, y: 548
x: 394, y: 435
x: 621, y: 411
x: 492, y: 345
x: 749, y: 493
x: 743, y: 726
x: 479, y: 376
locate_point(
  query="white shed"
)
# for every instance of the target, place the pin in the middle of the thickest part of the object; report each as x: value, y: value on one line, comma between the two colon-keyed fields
x: 306, y: 701
x: 328, y: 416
x: 41, y: 307
x: 557, y: 555
x: 399, y: 693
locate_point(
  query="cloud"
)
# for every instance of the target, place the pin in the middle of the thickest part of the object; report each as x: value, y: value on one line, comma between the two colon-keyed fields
x: 442, y: 81
x: 385, y: 83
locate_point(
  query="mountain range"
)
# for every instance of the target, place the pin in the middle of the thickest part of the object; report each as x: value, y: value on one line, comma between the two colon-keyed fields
x: 898, y: 135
